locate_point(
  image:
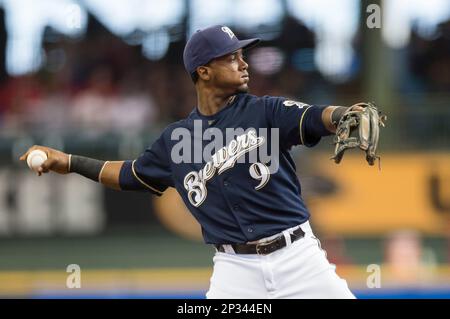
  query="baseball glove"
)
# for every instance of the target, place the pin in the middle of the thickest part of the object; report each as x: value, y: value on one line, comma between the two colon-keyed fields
x: 359, y: 128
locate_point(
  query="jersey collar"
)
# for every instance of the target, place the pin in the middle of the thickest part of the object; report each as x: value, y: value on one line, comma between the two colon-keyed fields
x: 196, y: 113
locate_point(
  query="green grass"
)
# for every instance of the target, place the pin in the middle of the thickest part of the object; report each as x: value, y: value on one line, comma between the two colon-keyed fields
x: 153, y: 248
x: 108, y: 251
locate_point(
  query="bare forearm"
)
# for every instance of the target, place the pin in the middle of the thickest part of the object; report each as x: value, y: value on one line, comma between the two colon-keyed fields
x: 327, y: 119
x: 109, y: 175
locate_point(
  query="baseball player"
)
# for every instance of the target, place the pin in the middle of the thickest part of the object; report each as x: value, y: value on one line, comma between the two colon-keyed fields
x: 250, y: 208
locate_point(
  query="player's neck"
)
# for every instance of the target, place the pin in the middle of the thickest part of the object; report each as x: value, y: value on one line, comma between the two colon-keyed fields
x: 209, y: 103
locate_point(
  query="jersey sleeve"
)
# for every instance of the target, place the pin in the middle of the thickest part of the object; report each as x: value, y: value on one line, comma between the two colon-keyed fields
x: 151, y: 171
x: 299, y: 123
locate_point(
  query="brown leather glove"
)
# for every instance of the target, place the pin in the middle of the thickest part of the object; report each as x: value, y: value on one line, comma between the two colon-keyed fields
x: 359, y: 127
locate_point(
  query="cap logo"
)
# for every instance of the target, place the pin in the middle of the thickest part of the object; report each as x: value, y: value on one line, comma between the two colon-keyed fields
x: 228, y: 31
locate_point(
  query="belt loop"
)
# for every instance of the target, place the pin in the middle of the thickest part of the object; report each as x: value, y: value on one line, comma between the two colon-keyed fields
x: 228, y: 249
x: 306, y: 227
x: 287, y: 237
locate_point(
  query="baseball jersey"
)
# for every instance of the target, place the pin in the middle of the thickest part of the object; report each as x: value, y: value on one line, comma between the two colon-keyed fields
x: 233, y: 169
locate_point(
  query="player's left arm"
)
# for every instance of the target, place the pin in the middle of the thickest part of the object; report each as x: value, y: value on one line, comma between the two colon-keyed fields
x: 327, y: 118
x: 301, y: 123
x: 332, y: 114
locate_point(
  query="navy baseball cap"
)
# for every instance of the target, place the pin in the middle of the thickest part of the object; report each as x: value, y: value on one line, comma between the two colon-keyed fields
x: 210, y: 43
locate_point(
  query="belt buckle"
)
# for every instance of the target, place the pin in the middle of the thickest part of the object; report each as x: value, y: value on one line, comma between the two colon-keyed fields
x: 258, y: 246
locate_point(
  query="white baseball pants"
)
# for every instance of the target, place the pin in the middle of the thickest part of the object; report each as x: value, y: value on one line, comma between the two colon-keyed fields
x: 300, y: 270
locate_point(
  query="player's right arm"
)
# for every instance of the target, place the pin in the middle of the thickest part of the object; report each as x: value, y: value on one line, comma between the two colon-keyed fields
x: 151, y: 171
x: 105, y: 172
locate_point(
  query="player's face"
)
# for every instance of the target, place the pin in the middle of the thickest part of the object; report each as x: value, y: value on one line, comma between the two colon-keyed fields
x: 230, y: 72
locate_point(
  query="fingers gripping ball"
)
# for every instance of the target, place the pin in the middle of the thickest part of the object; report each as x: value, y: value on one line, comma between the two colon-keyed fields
x: 35, y: 159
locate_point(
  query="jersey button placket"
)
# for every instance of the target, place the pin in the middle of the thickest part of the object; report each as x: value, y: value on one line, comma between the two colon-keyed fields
x: 234, y: 207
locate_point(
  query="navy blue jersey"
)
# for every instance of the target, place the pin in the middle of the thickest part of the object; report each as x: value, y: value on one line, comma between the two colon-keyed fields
x: 240, y: 185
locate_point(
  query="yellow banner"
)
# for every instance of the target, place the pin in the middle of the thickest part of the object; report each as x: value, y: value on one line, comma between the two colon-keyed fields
x: 412, y: 191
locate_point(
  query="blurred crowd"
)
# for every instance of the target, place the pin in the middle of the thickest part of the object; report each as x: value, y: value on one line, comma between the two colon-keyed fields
x: 99, y: 83
x: 429, y: 61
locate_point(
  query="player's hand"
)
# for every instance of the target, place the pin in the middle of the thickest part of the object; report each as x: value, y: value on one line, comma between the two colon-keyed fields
x: 57, y: 161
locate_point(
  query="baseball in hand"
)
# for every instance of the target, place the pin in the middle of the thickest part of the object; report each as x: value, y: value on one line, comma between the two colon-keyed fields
x: 35, y: 159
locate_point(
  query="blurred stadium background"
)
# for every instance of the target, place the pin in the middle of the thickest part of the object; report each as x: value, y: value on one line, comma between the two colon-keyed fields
x: 101, y: 78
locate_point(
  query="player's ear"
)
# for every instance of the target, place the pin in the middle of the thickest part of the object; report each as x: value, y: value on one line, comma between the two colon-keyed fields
x: 204, y: 73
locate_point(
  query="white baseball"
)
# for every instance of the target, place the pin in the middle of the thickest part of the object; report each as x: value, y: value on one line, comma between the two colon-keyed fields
x: 35, y: 159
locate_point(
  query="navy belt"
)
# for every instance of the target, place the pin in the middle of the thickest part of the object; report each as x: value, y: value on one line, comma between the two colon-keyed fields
x: 264, y: 248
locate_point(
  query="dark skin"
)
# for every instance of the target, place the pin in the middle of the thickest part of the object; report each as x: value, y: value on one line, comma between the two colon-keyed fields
x: 218, y: 82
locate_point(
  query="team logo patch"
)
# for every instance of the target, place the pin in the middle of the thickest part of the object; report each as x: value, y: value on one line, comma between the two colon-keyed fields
x: 300, y: 105
x: 228, y: 31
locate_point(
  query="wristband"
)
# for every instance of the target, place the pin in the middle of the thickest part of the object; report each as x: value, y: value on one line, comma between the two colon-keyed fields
x: 85, y: 166
x: 337, y: 114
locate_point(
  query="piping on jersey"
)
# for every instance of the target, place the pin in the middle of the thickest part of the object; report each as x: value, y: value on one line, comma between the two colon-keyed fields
x: 142, y: 182
x: 301, y: 123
